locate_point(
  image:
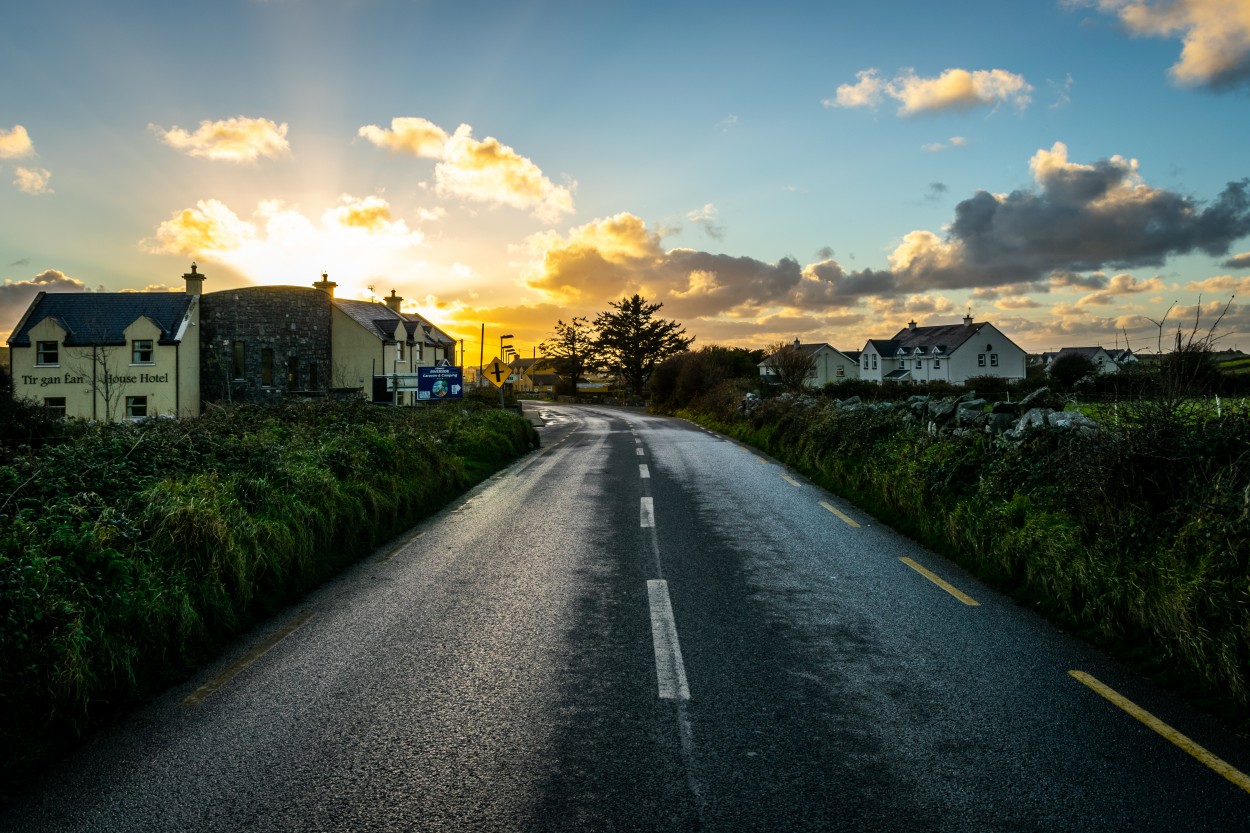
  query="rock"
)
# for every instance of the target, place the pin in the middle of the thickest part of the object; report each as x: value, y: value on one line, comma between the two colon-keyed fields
x: 1042, y: 398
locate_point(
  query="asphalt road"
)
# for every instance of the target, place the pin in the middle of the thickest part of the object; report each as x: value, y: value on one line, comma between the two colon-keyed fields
x: 644, y: 626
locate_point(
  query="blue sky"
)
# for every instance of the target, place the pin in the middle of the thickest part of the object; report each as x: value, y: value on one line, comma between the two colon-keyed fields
x: 1062, y: 169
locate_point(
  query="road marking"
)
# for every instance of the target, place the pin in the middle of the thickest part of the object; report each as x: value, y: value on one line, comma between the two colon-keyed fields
x: 643, y: 471
x: 958, y: 594
x: 396, y: 549
x: 790, y: 480
x: 646, y: 513
x: 670, y: 673
x: 841, y: 515
x: 1216, y: 763
x: 762, y: 460
x: 244, y: 662
x: 637, y: 440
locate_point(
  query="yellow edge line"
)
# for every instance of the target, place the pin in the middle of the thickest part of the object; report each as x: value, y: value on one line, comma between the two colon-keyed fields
x: 940, y: 582
x: 1185, y: 744
x: 790, y: 480
x: 841, y: 515
x: 241, y: 664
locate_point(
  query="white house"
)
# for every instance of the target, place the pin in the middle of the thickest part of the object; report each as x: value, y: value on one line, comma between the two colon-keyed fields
x: 829, y: 365
x: 1107, y: 361
x: 950, y: 353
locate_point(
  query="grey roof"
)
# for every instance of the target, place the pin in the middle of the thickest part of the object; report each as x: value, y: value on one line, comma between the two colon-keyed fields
x: 378, y: 319
x: 946, y: 337
x: 897, y: 374
x: 1087, y: 352
x: 102, y: 317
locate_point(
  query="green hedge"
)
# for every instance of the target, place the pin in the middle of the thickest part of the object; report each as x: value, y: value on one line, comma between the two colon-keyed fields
x: 1138, y: 536
x: 129, y: 554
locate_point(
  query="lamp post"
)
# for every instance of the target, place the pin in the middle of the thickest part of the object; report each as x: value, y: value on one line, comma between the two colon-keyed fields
x: 502, y: 339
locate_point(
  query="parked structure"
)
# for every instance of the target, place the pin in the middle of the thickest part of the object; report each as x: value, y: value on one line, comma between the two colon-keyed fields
x: 950, y: 353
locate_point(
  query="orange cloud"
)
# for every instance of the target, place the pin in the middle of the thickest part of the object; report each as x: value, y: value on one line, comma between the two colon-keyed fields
x: 239, y: 139
x: 954, y: 89
x: 482, y: 171
x: 1215, y: 35
x: 33, y: 181
x: 15, y: 143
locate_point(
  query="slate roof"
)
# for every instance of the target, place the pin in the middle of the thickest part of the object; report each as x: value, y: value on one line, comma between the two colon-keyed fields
x: 102, y: 317
x: 376, y: 318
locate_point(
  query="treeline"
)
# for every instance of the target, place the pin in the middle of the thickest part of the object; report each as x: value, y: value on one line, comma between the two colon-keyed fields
x: 1137, y: 535
x: 129, y: 554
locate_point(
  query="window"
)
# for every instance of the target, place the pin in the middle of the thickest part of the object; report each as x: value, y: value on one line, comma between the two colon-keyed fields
x: 141, y: 351
x: 980, y: 360
x: 312, y: 376
x: 937, y: 363
x: 136, y: 406
x: 46, y: 353
x: 841, y: 372
x: 811, y: 374
x: 865, y: 361
x: 266, y: 367
x: 239, y: 359
x: 292, y: 373
x: 993, y: 360
x: 55, y: 405
x: 918, y: 365
x: 874, y: 361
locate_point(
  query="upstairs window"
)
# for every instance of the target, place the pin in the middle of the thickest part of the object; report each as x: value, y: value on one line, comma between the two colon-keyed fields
x: 874, y: 361
x: 993, y: 360
x: 141, y: 351
x: 47, y: 353
x: 841, y: 371
x: 937, y: 363
x: 980, y: 360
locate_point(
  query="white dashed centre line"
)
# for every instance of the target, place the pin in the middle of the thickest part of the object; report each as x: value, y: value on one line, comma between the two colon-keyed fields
x: 670, y: 672
x: 643, y: 471
x: 639, y: 451
x: 646, y: 513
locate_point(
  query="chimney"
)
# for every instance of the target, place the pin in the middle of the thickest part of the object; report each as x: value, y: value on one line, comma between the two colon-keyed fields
x: 911, y: 325
x: 393, y: 302
x: 325, y: 285
x: 195, y: 281
x: 968, y: 319
x: 796, y: 344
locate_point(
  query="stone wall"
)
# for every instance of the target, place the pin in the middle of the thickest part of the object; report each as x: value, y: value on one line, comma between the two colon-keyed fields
x: 287, y: 324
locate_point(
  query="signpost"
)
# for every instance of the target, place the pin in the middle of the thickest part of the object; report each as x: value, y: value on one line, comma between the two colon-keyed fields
x: 498, y: 372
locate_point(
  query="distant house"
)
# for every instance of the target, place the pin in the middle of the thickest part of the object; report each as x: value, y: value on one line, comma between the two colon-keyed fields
x: 829, y: 365
x: 950, y: 353
x: 109, y: 356
x: 1105, y: 360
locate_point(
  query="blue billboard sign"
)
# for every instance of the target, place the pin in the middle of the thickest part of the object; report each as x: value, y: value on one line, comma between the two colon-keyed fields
x: 435, y: 383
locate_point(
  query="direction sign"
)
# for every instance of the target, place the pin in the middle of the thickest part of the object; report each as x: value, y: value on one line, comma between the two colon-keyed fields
x: 497, y: 372
x: 442, y: 382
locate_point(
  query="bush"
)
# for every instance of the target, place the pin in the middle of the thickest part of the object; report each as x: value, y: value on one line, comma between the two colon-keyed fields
x: 130, y: 553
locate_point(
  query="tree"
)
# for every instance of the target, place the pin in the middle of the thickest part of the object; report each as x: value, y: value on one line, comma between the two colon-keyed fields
x: 632, y: 340
x: 571, y: 350
x: 1070, y: 368
x: 791, y: 365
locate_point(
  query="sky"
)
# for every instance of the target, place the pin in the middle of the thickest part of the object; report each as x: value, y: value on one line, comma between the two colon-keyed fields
x: 1073, y: 171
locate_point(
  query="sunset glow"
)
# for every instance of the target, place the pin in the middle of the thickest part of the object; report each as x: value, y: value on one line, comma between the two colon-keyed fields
x: 1068, y: 171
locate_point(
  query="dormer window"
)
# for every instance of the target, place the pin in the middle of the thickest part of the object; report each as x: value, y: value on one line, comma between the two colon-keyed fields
x: 47, y: 353
x: 141, y: 351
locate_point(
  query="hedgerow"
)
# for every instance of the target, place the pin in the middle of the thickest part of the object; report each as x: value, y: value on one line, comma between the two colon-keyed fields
x: 130, y: 553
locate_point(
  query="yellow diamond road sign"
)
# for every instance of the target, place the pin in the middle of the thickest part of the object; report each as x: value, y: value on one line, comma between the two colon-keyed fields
x: 497, y: 372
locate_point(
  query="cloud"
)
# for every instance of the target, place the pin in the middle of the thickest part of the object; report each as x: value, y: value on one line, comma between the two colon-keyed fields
x: 938, y: 147
x: 15, y: 296
x: 1078, y: 218
x: 1239, y: 261
x: 1118, y: 286
x: 239, y: 139
x: 1215, y: 35
x: 1221, y: 285
x: 954, y: 89
x: 33, y: 181
x: 15, y: 143
x: 482, y: 171
x: 706, y: 217
x: 358, y: 239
